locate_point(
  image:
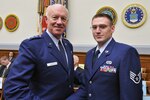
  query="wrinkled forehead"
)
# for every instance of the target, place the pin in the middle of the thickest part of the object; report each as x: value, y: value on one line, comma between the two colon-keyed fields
x: 57, y: 10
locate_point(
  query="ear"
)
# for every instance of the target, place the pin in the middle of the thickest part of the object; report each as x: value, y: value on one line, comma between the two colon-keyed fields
x: 113, y: 28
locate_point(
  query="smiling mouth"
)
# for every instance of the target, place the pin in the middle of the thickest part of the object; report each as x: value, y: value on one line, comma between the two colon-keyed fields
x: 58, y: 27
x: 99, y: 36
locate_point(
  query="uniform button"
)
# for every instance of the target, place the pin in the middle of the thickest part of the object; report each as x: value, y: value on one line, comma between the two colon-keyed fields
x: 90, y: 94
x: 70, y: 86
x: 90, y: 82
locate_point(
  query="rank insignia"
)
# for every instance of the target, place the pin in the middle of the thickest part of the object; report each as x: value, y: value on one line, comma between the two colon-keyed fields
x: 136, y: 78
x: 106, y: 51
x: 50, y: 43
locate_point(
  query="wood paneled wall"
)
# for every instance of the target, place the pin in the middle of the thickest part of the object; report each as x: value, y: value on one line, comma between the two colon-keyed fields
x: 6, y: 52
x: 145, y: 59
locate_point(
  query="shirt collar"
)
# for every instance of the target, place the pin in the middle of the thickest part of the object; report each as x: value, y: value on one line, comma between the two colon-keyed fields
x: 55, y: 40
x: 101, y: 49
x: 8, y: 65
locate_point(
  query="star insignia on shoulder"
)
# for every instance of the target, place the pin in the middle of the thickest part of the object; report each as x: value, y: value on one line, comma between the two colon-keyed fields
x: 35, y: 37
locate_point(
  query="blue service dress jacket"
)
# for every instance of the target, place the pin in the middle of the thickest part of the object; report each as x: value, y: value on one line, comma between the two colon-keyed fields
x: 114, y: 76
x: 39, y: 71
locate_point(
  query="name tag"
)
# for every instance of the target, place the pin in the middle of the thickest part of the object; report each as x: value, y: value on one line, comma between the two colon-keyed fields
x: 51, y: 64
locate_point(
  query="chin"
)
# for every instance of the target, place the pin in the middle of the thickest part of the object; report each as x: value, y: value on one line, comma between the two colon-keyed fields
x: 99, y: 40
x: 58, y: 33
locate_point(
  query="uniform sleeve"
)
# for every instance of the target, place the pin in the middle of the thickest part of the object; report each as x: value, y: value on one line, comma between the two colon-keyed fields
x: 130, y: 76
x: 16, y: 86
x: 81, y: 93
x: 78, y: 73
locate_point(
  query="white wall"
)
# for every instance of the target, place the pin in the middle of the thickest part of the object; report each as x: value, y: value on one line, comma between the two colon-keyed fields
x: 26, y: 10
x: 81, y: 12
x: 78, y: 31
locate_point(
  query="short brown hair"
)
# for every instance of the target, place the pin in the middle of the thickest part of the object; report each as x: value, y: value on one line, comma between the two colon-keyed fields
x: 103, y: 15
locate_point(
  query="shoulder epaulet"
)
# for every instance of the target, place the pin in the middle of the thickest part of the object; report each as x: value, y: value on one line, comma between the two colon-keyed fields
x: 35, y: 37
x: 66, y: 39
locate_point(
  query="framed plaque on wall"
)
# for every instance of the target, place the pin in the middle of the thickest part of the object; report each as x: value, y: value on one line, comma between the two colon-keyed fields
x: 11, y: 22
x: 1, y: 23
x: 110, y: 11
x: 134, y: 15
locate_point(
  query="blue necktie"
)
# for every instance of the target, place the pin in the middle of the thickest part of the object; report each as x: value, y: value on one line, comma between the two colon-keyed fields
x: 61, y: 49
x: 95, y: 56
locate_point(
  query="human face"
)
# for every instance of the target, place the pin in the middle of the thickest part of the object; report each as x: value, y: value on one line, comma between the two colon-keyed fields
x: 102, y: 30
x: 76, y: 60
x: 57, y: 20
x: 11, y: 54
x: 4, y: 62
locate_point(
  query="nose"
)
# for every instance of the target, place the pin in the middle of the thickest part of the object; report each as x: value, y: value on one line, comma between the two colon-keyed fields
x: 98, y: 29
x: 59, y: 20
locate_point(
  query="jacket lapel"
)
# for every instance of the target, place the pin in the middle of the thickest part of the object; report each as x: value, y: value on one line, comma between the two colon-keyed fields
x: 103, y: 58
x: 69, y: 55
x: 99, y: 62
x: 54, y: 50
x: 89, y: 59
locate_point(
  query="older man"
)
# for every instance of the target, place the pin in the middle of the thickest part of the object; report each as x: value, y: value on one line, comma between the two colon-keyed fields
x: 43, y: 70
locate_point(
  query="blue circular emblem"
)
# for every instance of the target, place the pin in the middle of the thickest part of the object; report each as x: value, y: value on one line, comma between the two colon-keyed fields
x: 134, y: 15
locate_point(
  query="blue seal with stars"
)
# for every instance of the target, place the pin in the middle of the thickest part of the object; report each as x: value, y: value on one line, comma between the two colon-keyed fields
x: 134, y: 15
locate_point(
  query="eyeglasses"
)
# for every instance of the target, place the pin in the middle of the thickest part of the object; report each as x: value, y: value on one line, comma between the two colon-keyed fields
x: 101, y: 27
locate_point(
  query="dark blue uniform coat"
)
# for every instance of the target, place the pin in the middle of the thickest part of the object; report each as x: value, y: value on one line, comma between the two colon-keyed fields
x: 114, y: 76
x: 39, y: 71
